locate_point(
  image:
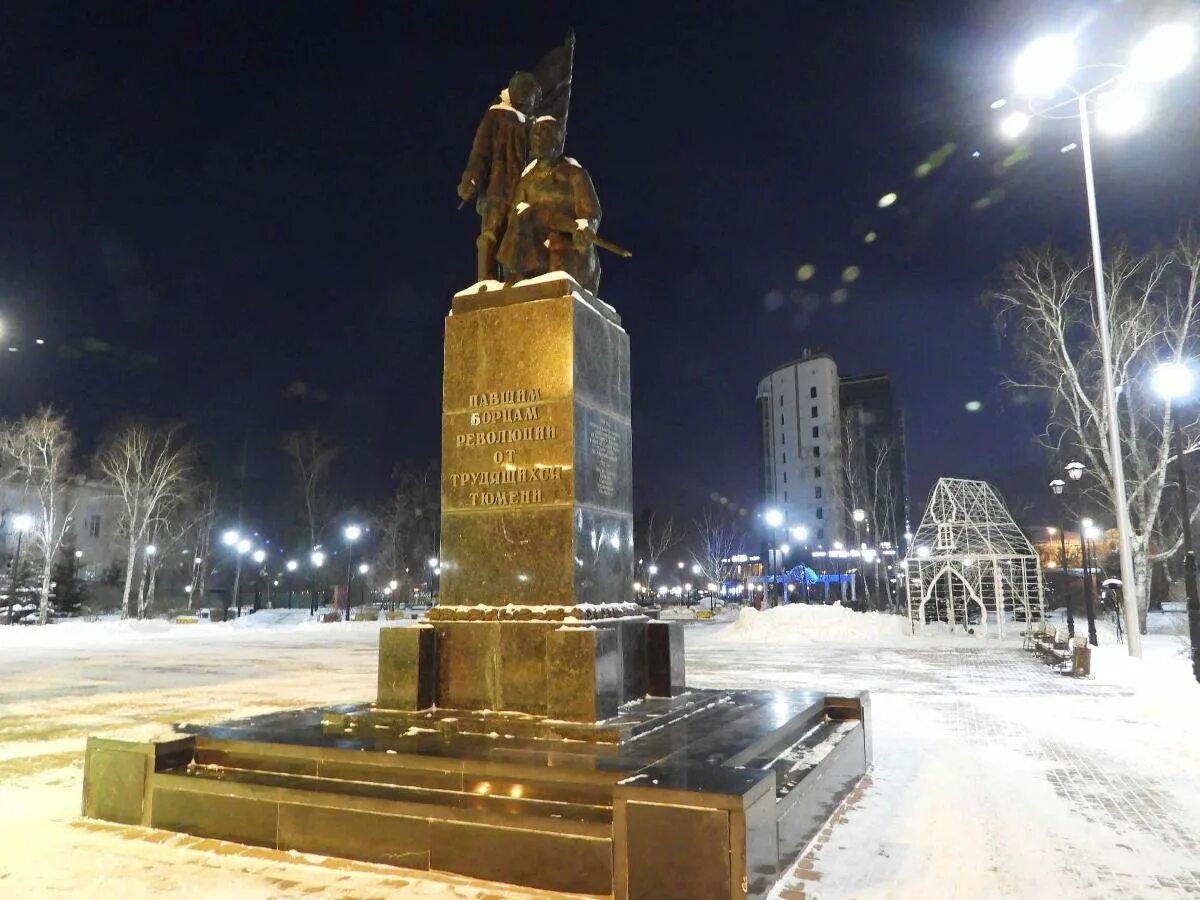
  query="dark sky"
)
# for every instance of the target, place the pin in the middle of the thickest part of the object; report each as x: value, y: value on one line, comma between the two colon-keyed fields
x: 202, y: 204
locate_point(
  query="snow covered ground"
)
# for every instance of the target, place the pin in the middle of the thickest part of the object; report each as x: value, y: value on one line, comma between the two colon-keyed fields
x: 993, y: 776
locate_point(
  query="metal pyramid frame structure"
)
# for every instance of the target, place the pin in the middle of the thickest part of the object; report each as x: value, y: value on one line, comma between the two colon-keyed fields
x: 969, y: 561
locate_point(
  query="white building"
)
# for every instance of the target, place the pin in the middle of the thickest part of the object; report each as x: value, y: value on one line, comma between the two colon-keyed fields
x: 802, y: 469
x: 93, y: 529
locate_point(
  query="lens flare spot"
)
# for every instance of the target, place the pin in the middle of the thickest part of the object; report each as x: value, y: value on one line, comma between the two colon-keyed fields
x: 841, y: 295
x: 805, y: 272
x: 870, y: 237
x: 973, y: 406
x: 773, y: 300
x: 887, y: 200
x: 850, y: 274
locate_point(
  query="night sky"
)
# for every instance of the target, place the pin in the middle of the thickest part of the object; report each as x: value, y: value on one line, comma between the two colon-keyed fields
x: 243, y: 214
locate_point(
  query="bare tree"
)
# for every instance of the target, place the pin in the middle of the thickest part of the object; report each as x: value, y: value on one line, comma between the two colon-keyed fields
x: 1047, y: 306
x: 40, y: 449
x: 717, y: 541
x: 148, y: 467
x: 408, y: 526
x: 657, y: 538
x: 206, y: 516
x: 869, y: 484
x: 312, y: 454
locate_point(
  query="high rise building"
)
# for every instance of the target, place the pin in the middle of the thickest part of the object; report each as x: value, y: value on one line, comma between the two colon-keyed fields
x: 832, y: 445
x: 799, y: 406
x: 874, y: 454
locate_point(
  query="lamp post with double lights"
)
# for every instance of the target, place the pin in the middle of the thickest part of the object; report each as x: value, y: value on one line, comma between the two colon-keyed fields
x: 1174, y: 381
x: 1057, y: 88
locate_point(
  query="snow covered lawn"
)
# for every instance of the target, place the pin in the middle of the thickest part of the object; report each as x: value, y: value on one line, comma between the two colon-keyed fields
x: 993, y: 776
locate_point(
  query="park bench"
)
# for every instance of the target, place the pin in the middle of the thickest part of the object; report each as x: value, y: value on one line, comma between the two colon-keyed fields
x: 1034, y: 633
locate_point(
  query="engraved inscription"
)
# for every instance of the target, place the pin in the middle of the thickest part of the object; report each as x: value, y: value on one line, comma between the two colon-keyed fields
x: 603, y: 443
x: 498, y: 398
x: 506, y: 436
x: 504, y: 498
x: 512, y: 481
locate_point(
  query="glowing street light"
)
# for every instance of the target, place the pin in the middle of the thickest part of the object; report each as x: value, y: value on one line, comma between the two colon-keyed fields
x: 1122, y: 111
x: 1163, y: 53
x: 1044, y: 66
x: 151, y: 550
x: 363, y: 568
x: 1172, y: 381
x: 653, y: 570
x: 259, y: 556
x: 291, y: 565
x: 244, y: 546
x: 317, y: 558
x: 800, y: 533
x: 230, y: 538
x: 352, y: 533
x: 859, y: 515
x: 773, y: 518
x: 1014, y: 125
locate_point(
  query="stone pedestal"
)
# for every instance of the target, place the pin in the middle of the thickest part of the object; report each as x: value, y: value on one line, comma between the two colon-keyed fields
x: 537, y: 527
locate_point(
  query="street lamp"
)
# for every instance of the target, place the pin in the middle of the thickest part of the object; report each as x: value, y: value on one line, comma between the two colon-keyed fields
x: 1047, y: 74
x: 316, y: 559
x: 773, y: 519
x: 1174, y: 381
x: 351, y: 533
x: 1075, y: 472
x: 1058, y: 486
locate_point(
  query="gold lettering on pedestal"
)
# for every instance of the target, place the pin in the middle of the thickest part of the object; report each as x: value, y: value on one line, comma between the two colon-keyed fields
x: 513, y: 407
x: 506, y: 436
x: 504, y: 498
x: 514, y: 475
x: 498, y: 398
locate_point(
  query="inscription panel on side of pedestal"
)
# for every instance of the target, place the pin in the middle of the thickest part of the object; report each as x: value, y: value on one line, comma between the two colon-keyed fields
x: 508, y: 454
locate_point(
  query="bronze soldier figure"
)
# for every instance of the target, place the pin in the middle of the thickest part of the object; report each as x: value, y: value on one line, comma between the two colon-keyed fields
x: 498, y: 155
x: 555, y: 214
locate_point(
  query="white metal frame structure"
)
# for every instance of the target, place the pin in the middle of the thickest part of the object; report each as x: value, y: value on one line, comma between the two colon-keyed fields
x: 968, y: 555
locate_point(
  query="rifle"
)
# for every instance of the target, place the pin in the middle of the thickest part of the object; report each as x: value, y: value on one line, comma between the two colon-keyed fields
x: 569, y: 226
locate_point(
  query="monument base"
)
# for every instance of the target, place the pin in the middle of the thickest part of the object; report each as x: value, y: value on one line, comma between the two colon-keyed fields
x: 708, y: 794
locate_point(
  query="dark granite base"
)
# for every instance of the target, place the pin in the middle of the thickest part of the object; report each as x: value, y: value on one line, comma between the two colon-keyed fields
x: 707, y: 794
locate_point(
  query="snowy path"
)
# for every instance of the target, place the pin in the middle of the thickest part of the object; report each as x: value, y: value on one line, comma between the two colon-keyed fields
x: 993, y: 776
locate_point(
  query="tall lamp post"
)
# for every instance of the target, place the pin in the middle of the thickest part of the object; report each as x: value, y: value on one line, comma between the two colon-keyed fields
x: 1173, y: 381
x: 1047, y: 74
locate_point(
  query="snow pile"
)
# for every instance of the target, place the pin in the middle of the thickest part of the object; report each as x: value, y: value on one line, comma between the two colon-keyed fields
x: 800, y: 623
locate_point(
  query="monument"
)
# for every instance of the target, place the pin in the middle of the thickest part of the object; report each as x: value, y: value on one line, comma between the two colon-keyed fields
x: 535, y: 728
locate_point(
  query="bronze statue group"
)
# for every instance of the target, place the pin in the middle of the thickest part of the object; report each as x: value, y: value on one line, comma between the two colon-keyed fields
x: 538, y: 209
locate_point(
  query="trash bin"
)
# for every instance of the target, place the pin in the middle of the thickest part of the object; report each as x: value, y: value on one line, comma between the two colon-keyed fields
x: 1081, y: 662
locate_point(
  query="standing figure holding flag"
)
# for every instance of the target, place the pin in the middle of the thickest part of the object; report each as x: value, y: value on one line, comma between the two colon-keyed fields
x: 500, y: 150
